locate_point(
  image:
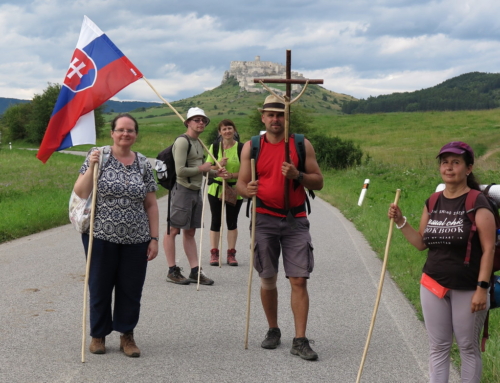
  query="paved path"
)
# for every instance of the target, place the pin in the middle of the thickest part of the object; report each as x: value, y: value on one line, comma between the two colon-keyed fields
x: 198, y: 336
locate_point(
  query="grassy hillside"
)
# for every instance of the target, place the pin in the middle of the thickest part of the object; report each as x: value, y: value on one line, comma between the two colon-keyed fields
x: 230, y: 101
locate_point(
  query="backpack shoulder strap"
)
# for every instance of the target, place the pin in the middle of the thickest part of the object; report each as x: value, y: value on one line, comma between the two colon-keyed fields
x: 432, y: 201
x: 142, y: 163
x: 255, y: 148
x: 470, y: 202
x: 240, y: 146
x: 215, y: 149
x: 301, y: 150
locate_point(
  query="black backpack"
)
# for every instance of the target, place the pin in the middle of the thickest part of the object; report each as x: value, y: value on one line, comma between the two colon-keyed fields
x: 301, y: 153
x: 165, y: 165
x: 165, y: 171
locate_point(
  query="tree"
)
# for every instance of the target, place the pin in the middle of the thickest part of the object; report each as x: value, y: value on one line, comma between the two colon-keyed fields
x: 42, y: 107
x: 15, y: 119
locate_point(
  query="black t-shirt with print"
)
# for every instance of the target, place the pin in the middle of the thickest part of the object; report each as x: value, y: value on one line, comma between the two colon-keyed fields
x: 446, y: 235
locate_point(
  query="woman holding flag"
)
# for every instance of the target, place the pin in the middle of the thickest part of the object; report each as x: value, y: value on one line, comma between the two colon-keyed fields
x: 125, y: 235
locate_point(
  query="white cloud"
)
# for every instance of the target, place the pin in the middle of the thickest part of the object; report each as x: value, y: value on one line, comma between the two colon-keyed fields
x: 360, y: 47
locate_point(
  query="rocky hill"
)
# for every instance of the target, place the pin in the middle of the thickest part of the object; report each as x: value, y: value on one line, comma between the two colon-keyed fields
x: 245, y: 71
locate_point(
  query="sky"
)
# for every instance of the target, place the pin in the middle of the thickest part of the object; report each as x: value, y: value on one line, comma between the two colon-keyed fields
x: 361, y: 48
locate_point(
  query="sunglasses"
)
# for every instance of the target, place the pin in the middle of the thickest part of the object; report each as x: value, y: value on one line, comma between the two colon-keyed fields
x: 198, y: 120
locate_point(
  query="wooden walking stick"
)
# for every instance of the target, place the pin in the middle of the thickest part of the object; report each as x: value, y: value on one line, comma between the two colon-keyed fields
x: 89, y: 258
x: 379, y: 293
x: 221, y: 232
x: 252, y: 247
x: 205, y: 192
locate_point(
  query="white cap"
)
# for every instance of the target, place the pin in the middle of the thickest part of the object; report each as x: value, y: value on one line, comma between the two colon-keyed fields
x: 193, y: 112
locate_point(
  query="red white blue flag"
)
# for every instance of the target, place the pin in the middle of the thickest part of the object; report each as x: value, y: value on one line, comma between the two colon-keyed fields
x: 97, y: 71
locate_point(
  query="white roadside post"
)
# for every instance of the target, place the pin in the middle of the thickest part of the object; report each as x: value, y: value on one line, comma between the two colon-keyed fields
x: 363, y: 192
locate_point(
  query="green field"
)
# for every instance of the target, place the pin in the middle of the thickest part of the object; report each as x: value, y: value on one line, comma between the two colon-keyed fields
x: 400, y: 150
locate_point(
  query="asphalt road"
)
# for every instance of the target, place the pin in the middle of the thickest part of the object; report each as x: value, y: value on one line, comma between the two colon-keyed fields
x: 198, y: 336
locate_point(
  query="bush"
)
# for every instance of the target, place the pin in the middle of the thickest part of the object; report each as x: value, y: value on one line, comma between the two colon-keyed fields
x: 333, y: 152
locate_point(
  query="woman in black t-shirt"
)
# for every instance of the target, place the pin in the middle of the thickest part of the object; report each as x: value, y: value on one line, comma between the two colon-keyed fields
x: 454, y: 291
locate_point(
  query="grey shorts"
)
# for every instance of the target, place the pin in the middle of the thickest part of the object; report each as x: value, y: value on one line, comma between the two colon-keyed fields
x: 186, y: 208
x: 273, y: 236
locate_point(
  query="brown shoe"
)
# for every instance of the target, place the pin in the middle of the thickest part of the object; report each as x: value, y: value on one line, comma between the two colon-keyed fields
x: 214, y: 257
x: 231, y: 257
x: 98, y: 346
x: 128, y: 346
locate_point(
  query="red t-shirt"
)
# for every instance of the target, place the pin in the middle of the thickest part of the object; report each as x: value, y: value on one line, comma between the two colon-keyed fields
x: 271, y: 180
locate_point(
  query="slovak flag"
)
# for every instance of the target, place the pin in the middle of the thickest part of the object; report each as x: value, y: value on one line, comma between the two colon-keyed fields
x: 97, y: 71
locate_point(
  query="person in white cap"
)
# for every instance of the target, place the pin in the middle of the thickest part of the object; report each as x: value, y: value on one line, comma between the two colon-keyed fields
x: 186, y: 201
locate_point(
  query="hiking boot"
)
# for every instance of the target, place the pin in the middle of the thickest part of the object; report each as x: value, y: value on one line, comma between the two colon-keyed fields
x: 301, y: 348
x: 128, y: 346
x: 214, y: 258
x: 176, y: 277
x: 204, y: 280
x: 231, y: 257
x: 273, y: 338
x: 98, y: 346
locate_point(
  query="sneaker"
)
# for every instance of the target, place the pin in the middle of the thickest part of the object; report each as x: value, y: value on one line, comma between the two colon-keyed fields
x: 214, y: 258
x: 231, y: 257
x: 98, y: 346
x: 176, y: 277
x: 128, y: 346
x: 204, y: 280
x: 273, y: 338
x: 301, y: 348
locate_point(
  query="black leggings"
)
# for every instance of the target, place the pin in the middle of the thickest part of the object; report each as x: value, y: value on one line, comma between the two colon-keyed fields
x: 231, y: 213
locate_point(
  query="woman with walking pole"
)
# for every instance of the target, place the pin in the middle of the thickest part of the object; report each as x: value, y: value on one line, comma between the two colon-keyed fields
x: 454, y: 285
x: 125, y: 235
x: 227, y: 153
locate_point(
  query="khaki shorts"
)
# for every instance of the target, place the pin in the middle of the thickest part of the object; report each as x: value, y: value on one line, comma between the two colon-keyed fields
x: 186, y: 208
x: 273, y: 236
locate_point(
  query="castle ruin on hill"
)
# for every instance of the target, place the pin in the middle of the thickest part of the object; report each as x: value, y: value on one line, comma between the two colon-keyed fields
x: 245, y: 71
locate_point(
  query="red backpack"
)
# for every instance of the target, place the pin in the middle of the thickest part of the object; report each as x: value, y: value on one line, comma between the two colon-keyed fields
x: 470, y: 202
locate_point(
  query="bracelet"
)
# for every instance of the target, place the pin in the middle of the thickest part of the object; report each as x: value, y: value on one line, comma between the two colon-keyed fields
x: 403, y: 225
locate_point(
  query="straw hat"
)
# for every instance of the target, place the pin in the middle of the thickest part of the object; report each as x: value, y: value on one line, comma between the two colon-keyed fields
x: 272, y: 104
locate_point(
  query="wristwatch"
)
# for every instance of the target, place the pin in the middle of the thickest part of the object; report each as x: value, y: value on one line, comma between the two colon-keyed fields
x: 483, y: 284
x: 300, y: 176
x: 156, y: 238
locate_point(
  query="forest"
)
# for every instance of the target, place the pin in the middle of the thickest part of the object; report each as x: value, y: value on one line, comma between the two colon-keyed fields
x: 470, y: 91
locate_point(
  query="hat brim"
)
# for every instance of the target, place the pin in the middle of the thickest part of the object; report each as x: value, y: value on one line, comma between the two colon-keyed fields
x: 452, y: 150
x: 270, y: 110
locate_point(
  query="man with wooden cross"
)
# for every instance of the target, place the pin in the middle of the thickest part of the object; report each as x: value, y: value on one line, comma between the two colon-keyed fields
x: 278, y: 228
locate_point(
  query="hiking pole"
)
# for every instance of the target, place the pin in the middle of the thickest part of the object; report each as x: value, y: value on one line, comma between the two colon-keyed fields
x: 379, y: 293
x: 252, y: 246
x: 89, y: 257
x: 205, y: 192
x: 221, y: 231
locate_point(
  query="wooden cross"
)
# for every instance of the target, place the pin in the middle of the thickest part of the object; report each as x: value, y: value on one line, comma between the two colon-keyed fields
x: 288, y: 81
